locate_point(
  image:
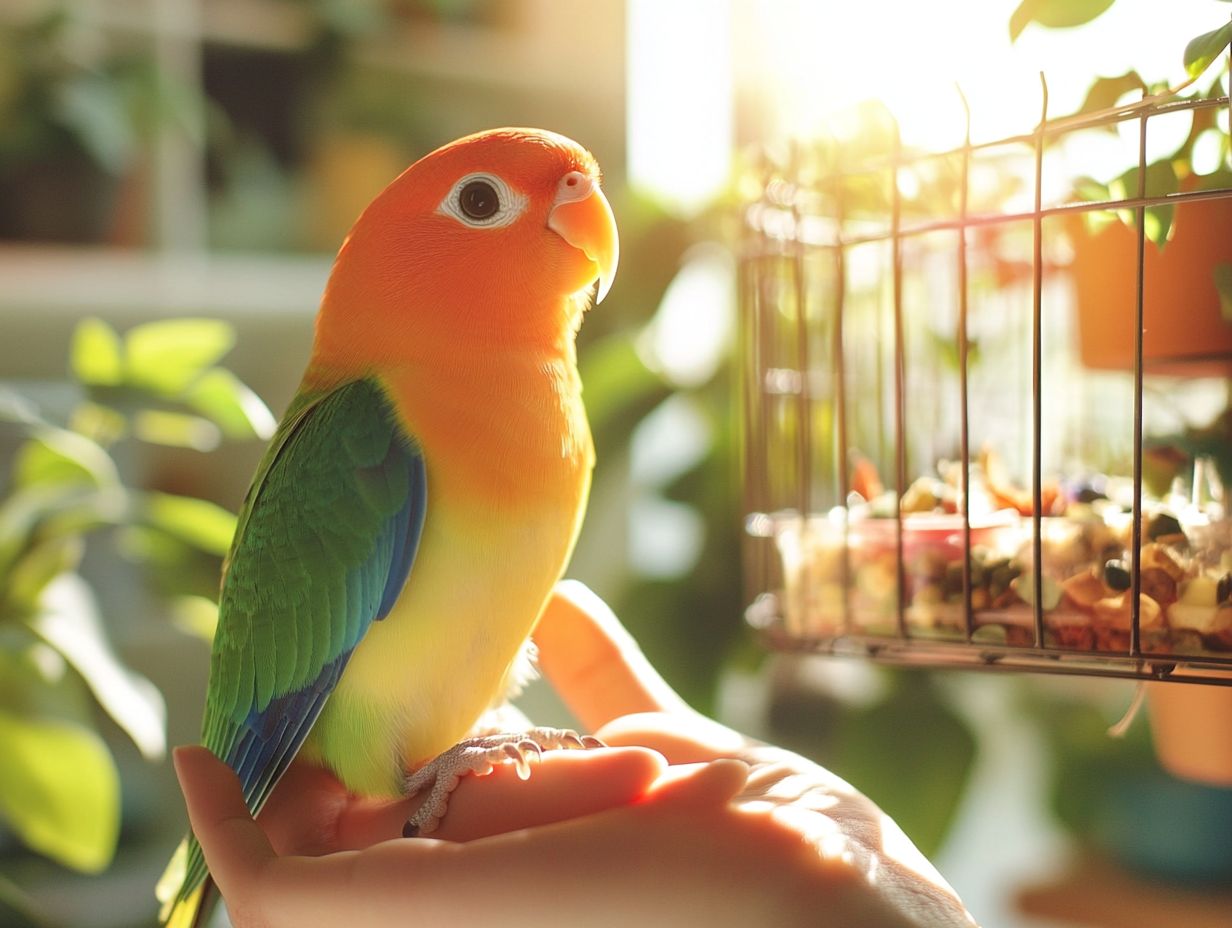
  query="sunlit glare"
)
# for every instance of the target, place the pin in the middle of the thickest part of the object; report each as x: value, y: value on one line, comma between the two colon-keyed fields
x: 665, y: 537
x: 703, y: 72
x: 687, y: 338
x: 810, y: 60
x: 679, y: 108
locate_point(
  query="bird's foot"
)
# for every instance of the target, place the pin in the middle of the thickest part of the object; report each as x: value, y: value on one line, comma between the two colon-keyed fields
x: 479, y: 756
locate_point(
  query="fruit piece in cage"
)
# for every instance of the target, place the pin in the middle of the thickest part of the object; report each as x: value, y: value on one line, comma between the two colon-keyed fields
x: 815, y: 603
x: 1112, y: 618
x: 813, y: 560
x: 864, y: 478
x: 1083, y: 590
x: 1199, y: 613
x: 1005, y: 494
x: 1164, y: 559
x: 1185, y: 569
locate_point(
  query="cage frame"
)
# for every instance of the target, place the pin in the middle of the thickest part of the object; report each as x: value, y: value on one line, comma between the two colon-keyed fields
x: 903, y: 647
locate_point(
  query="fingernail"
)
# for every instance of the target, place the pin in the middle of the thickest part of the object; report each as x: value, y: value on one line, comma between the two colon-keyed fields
x: 179, y: 756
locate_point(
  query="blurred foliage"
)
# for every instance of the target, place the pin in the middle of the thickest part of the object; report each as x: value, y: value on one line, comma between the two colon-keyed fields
x: 1086, y: 759
x: 911, y: 728
x: 1056, y: 14
x: 691, y: 624
x: 59, y: 787
x: 1176, y: 172
x: 1169, y: 174
x: 59, y: 92
x: 848, y: 173
x: 76, y: 114
x: 1064, y: 14
x: 1112, y: 794
x: 912, y: 725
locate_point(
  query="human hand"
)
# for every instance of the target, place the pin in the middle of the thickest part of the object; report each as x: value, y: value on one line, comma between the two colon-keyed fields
x: 270, y: 873
x: 824, y: 852
x: 605, y: 836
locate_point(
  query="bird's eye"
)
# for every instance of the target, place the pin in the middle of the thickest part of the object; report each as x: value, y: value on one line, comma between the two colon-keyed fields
x: 483, y: 201
x: 478, y: 200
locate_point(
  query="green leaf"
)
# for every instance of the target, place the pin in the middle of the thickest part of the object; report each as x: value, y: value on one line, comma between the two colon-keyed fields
x: 53, y: 510
x: 69, y: 622
x: 101, y: 424
x: 34, y: 679
x: 39, y: 566
x: 59, y: 790
x: 18, y: 409
x: 1055, y: 14
x: 911, y: 730
x: 58, y: 456
x: 91, y: 107
x: 168, y: 355
x: 1161, y: 180
x: 198, y: 522
x: 221, y: 397
x: 1223, y: 283
x: 1204, y: 49
x: 196, y: 615
x: 1106, y: 91
x: 1088, y: 188
x: 154, y: 548
x: 176, y: 429
x: 96, y: 357
x: 86, y: 511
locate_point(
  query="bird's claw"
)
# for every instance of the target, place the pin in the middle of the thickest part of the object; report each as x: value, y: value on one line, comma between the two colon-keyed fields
x: 520, y: 753
x: 479, y: 755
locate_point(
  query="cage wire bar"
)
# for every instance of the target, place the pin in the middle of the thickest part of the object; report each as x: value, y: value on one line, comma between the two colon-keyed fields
x: 800, y: 217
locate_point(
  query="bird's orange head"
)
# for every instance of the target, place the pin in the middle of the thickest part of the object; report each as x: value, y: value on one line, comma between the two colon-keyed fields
x: 496, y: 237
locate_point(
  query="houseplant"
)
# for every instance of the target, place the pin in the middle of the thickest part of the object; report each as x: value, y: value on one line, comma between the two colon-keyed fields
x: 66, y: 493
x: 74, y: 117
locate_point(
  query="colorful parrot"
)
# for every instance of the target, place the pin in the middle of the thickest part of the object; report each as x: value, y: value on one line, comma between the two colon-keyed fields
x: 424, y: 490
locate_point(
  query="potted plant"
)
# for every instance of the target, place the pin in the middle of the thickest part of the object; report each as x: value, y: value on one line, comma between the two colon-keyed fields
x: 1187, y: 324
x: 1187, y: 274
x: 63, y: 494
x: 73, y: 119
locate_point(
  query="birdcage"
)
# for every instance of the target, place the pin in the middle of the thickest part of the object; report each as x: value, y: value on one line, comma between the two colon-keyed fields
x: 986, y: 399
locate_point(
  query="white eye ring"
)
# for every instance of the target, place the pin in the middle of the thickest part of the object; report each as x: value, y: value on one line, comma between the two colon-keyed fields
x: 510, y: 203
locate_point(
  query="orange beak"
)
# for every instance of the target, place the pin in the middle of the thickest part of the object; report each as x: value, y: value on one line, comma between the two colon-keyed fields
x: 582, y: 216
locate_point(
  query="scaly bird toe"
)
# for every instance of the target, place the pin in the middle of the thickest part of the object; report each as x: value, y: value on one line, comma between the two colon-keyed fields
x: 479, y: 756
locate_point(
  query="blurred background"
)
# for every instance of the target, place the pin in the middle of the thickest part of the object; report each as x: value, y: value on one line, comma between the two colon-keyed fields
x: 175, y: 176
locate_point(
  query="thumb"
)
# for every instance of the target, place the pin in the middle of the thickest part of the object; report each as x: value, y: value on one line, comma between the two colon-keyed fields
x: 594, y: 663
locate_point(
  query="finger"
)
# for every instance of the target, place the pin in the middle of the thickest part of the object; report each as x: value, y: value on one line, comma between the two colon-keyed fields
x: 565, y: 785
x: 681, y: 738
x: 562, y: 785
x: 658, y: 860
x: 594, y: 664
x: 713, y: 783
x: 235, y: 847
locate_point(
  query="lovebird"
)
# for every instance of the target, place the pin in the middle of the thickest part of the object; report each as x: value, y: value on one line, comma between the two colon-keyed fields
x: 424, y: 490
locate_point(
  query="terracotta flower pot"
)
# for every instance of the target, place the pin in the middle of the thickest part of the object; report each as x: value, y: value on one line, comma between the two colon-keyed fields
x: 1192, y: 728
x: 1185, y: 333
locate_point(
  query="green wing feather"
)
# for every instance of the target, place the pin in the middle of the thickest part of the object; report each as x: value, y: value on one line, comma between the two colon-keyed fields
x: 323, y: 547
